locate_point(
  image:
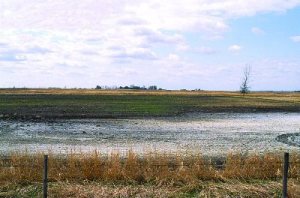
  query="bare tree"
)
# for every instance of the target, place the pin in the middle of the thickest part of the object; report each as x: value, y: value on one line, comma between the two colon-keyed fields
x: 244, y: 88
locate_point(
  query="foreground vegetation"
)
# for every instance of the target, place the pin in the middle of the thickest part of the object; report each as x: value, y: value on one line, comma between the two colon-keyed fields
x: 205, y: 189
x: 84, y: 103
x: 153, y: 174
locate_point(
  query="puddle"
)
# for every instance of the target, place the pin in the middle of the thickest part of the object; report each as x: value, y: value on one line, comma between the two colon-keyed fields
x: 211, y: 134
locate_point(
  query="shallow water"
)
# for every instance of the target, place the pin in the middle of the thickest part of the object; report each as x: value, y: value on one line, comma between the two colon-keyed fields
x: 211, y: 134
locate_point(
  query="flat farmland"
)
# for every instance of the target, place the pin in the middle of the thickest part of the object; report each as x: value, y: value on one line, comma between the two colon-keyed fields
x: 125, y: 143
x: 89, y: 103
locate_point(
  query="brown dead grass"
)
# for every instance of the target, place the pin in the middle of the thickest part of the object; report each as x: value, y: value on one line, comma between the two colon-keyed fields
x: 154, y: 168
x: 207, y: 189
x: 151, y: 175
x: 270, y: 95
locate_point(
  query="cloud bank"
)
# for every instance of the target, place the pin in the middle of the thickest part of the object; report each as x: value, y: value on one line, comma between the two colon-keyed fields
x: 84, y: 43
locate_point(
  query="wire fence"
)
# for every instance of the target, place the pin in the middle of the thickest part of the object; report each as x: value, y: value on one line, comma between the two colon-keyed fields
x: 7, y: 162
x: 286, y: 165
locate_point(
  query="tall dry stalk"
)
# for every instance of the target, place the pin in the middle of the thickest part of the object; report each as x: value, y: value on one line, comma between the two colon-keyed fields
x: 153, y: 167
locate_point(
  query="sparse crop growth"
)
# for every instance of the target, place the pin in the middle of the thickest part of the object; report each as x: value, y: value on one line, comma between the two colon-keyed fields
x: 49, y: 104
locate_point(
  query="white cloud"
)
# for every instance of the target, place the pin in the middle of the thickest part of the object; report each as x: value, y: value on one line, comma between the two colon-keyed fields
x: 98, y: 14
x: 102, y: 39
x: 206, y: 50
x: 153, y: 37
x: 257, y: 31
x: 281, y: 73
x: 295, y: 39
x: 173, y: 57
x: 200, y: 49
x: 143, y: 54
x: 234, y: 48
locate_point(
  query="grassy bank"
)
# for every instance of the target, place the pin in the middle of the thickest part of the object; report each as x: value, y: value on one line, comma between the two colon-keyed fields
x: 153, y: 174
x: 47, y: 103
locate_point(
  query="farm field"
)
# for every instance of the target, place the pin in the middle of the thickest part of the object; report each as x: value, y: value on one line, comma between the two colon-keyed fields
x: 76, y: 103
x: 112, y: 143
x: 206, y: 121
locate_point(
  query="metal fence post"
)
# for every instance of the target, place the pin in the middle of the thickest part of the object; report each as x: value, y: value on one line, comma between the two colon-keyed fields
x: 45, y: 177
x: 285, y: 175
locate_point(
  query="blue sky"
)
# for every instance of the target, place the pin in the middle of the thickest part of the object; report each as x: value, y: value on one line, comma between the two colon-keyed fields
x: 173, y: 44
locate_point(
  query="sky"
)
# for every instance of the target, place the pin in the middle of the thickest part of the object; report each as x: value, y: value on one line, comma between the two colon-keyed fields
x: 174, y: 44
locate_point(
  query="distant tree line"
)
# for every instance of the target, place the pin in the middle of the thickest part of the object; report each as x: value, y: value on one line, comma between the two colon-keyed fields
x: 134, y: 87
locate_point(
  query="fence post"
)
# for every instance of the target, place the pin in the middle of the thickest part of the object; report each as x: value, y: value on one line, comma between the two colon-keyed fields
x: 45, y: 177
x: 285, y: 175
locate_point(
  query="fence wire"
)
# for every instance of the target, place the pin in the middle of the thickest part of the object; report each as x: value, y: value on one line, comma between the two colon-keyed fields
x: 10, y: 164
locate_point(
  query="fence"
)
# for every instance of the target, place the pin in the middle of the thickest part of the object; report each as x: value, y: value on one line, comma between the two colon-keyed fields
x: 117, y: 168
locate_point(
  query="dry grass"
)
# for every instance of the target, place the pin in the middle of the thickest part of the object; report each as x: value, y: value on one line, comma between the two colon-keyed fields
x: 202, y: 189
x: 150, y: 175
x: 207, y: 189
x: 154, y: 168
x: 270, y: 95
